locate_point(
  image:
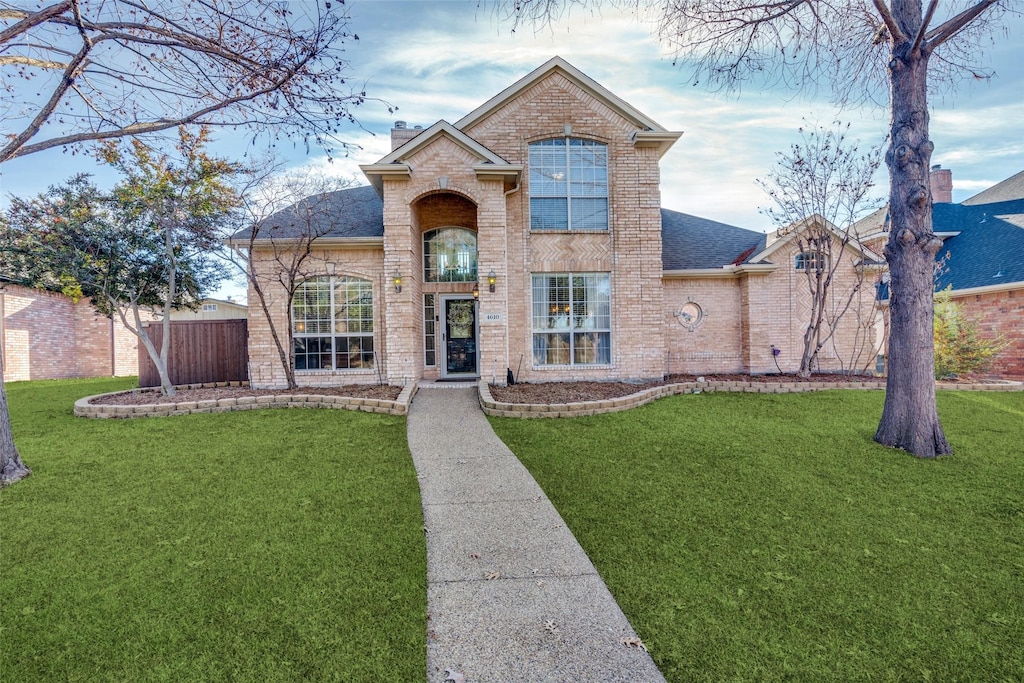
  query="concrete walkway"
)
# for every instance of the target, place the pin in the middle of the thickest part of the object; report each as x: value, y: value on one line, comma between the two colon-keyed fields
x: 511, y: 596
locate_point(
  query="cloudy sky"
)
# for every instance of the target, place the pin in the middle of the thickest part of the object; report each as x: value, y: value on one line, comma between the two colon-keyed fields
x: 440, y: 59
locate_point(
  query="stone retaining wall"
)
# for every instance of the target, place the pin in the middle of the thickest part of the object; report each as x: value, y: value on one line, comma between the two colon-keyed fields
x: 83, y: 407
x: 613, y: 405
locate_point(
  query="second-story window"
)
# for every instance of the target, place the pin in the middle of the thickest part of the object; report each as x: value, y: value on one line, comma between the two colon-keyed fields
x: 568, y: 185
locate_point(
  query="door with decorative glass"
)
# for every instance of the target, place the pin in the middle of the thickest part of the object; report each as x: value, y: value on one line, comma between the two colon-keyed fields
x: 459, y: 329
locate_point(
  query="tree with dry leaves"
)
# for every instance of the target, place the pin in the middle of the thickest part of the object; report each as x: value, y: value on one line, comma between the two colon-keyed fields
x: 857, y: 49
x: 76, y: 71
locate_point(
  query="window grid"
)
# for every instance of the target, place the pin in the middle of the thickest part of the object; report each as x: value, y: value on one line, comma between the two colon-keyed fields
x: 571, y: 319
x: 449, y: 255
x: 812, y: 260
x: 568, y: 185
x: 429, y: 331
x: 332, y: 324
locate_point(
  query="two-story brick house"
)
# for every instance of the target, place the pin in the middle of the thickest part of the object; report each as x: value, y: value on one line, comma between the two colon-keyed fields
x: 529, y: 235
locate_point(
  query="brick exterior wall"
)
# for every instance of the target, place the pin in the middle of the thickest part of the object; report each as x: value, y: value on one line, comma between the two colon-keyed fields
x: 265, y: 369
x: 746, y: 312
x: 630, y: 250
x: 1000, y: 315
x: 858, y: 337
x: 48, y: 336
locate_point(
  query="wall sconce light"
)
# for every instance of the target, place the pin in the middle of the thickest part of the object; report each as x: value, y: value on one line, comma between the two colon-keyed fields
x: 491, y: 279
x: 397, y: 277
x: 476, y: 292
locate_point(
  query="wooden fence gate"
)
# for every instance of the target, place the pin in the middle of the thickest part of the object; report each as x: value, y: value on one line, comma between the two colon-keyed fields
x: 201, y: 351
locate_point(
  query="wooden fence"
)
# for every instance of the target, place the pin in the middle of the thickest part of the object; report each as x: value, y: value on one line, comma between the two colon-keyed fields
x: 201, y: 351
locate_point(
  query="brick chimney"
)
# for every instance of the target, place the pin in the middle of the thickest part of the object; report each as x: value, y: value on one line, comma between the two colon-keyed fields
x: 402, y: 133
x: 942, y: 184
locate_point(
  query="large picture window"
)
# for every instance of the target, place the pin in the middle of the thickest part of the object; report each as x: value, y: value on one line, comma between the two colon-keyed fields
x: 332, y: 324
x: 568, y: 185
x: 449, y: 255
x: 571, y: 319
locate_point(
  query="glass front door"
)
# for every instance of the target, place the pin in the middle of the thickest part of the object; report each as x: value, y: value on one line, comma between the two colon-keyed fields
x: 459, y: 329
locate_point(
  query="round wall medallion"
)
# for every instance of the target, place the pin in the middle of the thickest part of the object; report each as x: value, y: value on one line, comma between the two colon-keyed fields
x: 689, y: 315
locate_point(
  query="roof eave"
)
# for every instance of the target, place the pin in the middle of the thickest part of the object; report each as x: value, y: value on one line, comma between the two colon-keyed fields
x: 729, y: 271
x: 332, y: 242
x: 661, y: 140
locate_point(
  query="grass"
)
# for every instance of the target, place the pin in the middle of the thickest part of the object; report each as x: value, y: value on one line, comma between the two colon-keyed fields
x: 271, y: 545
x: 757, y: 537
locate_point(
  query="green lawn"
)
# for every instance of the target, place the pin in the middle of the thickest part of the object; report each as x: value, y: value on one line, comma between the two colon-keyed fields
x: 268, y: 545
x: 758, y: 537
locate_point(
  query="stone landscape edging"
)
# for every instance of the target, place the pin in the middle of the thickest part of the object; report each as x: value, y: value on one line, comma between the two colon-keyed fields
x: 84, y: 407
x: 614, y: 405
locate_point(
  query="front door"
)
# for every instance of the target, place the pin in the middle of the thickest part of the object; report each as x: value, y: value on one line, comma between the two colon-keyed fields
x: 459, y: 331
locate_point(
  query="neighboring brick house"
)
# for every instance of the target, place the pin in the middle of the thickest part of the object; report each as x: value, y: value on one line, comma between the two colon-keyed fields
x: 46, y: 335
x: 528, y: 235
x: 981, y: 259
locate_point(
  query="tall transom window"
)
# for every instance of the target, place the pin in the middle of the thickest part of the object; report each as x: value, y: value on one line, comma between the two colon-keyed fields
x: 449, y: 255
x: 568, y: 185
x: 332, y: 324
x: 571, y: 319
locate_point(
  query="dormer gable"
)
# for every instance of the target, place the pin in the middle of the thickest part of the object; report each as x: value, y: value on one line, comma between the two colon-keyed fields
x: 489, y: 167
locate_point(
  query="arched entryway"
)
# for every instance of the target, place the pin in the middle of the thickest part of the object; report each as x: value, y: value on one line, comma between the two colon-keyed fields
x: 448, y: 255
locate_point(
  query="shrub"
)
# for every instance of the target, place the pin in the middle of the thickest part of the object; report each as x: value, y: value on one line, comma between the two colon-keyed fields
x: 959, y: 349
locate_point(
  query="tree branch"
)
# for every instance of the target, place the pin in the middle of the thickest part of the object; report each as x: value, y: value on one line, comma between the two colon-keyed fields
x: 29, y: 21
x: 929, y: 13
x: 950, y: 28
x: 70, y: 73
x: 890, y: 21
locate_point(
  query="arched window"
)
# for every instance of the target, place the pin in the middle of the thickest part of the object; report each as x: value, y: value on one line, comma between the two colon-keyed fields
x: 332, y: 324
x: 449, y: 255
x: 568, y: 185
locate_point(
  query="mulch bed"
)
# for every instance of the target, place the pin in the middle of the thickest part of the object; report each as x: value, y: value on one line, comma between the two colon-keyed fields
x: 147, y: 397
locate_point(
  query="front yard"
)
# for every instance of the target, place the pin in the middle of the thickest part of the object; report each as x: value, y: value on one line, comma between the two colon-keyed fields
x: 257, y: 546
x: 748, y: 537
x: 765, y: 537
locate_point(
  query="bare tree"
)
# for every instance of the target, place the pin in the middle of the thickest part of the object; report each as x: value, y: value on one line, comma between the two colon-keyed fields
x: 288, y: 216
x: 84, y: 70
x: 853, y: 48
x: 820, y: 189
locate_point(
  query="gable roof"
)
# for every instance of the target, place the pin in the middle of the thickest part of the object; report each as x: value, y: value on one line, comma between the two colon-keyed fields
x: 651, y: 133
x: 393, y: 165
x: 690, y: 242
x: 988, y: 250
x: 781, y: 237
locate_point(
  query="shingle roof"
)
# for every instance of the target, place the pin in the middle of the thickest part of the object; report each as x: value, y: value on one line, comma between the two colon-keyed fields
x: 353, y: 212
x: 689, y: 242
x: 990, y: 247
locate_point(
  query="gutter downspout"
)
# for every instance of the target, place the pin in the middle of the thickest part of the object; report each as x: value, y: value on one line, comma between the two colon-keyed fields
x: 508, y: 281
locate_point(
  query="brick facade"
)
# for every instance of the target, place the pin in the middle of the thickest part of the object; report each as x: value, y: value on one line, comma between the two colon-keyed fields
x: 1000, y: 315
x: 49, y: 336
x: 475, y: 176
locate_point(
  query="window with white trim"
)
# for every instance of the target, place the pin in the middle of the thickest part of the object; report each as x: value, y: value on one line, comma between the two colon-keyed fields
x: 571, y: 318
x: 811, y: 260
x: 209, y: 308
x: 332, y: 324
x: 568, y: 185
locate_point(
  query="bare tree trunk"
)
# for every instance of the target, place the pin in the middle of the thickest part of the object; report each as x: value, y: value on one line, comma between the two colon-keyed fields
x: 283, y: 355
x: 910, y: 418
x: 12, y: 468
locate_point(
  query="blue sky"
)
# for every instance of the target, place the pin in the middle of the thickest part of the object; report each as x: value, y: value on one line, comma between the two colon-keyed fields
x: 439, y: 59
